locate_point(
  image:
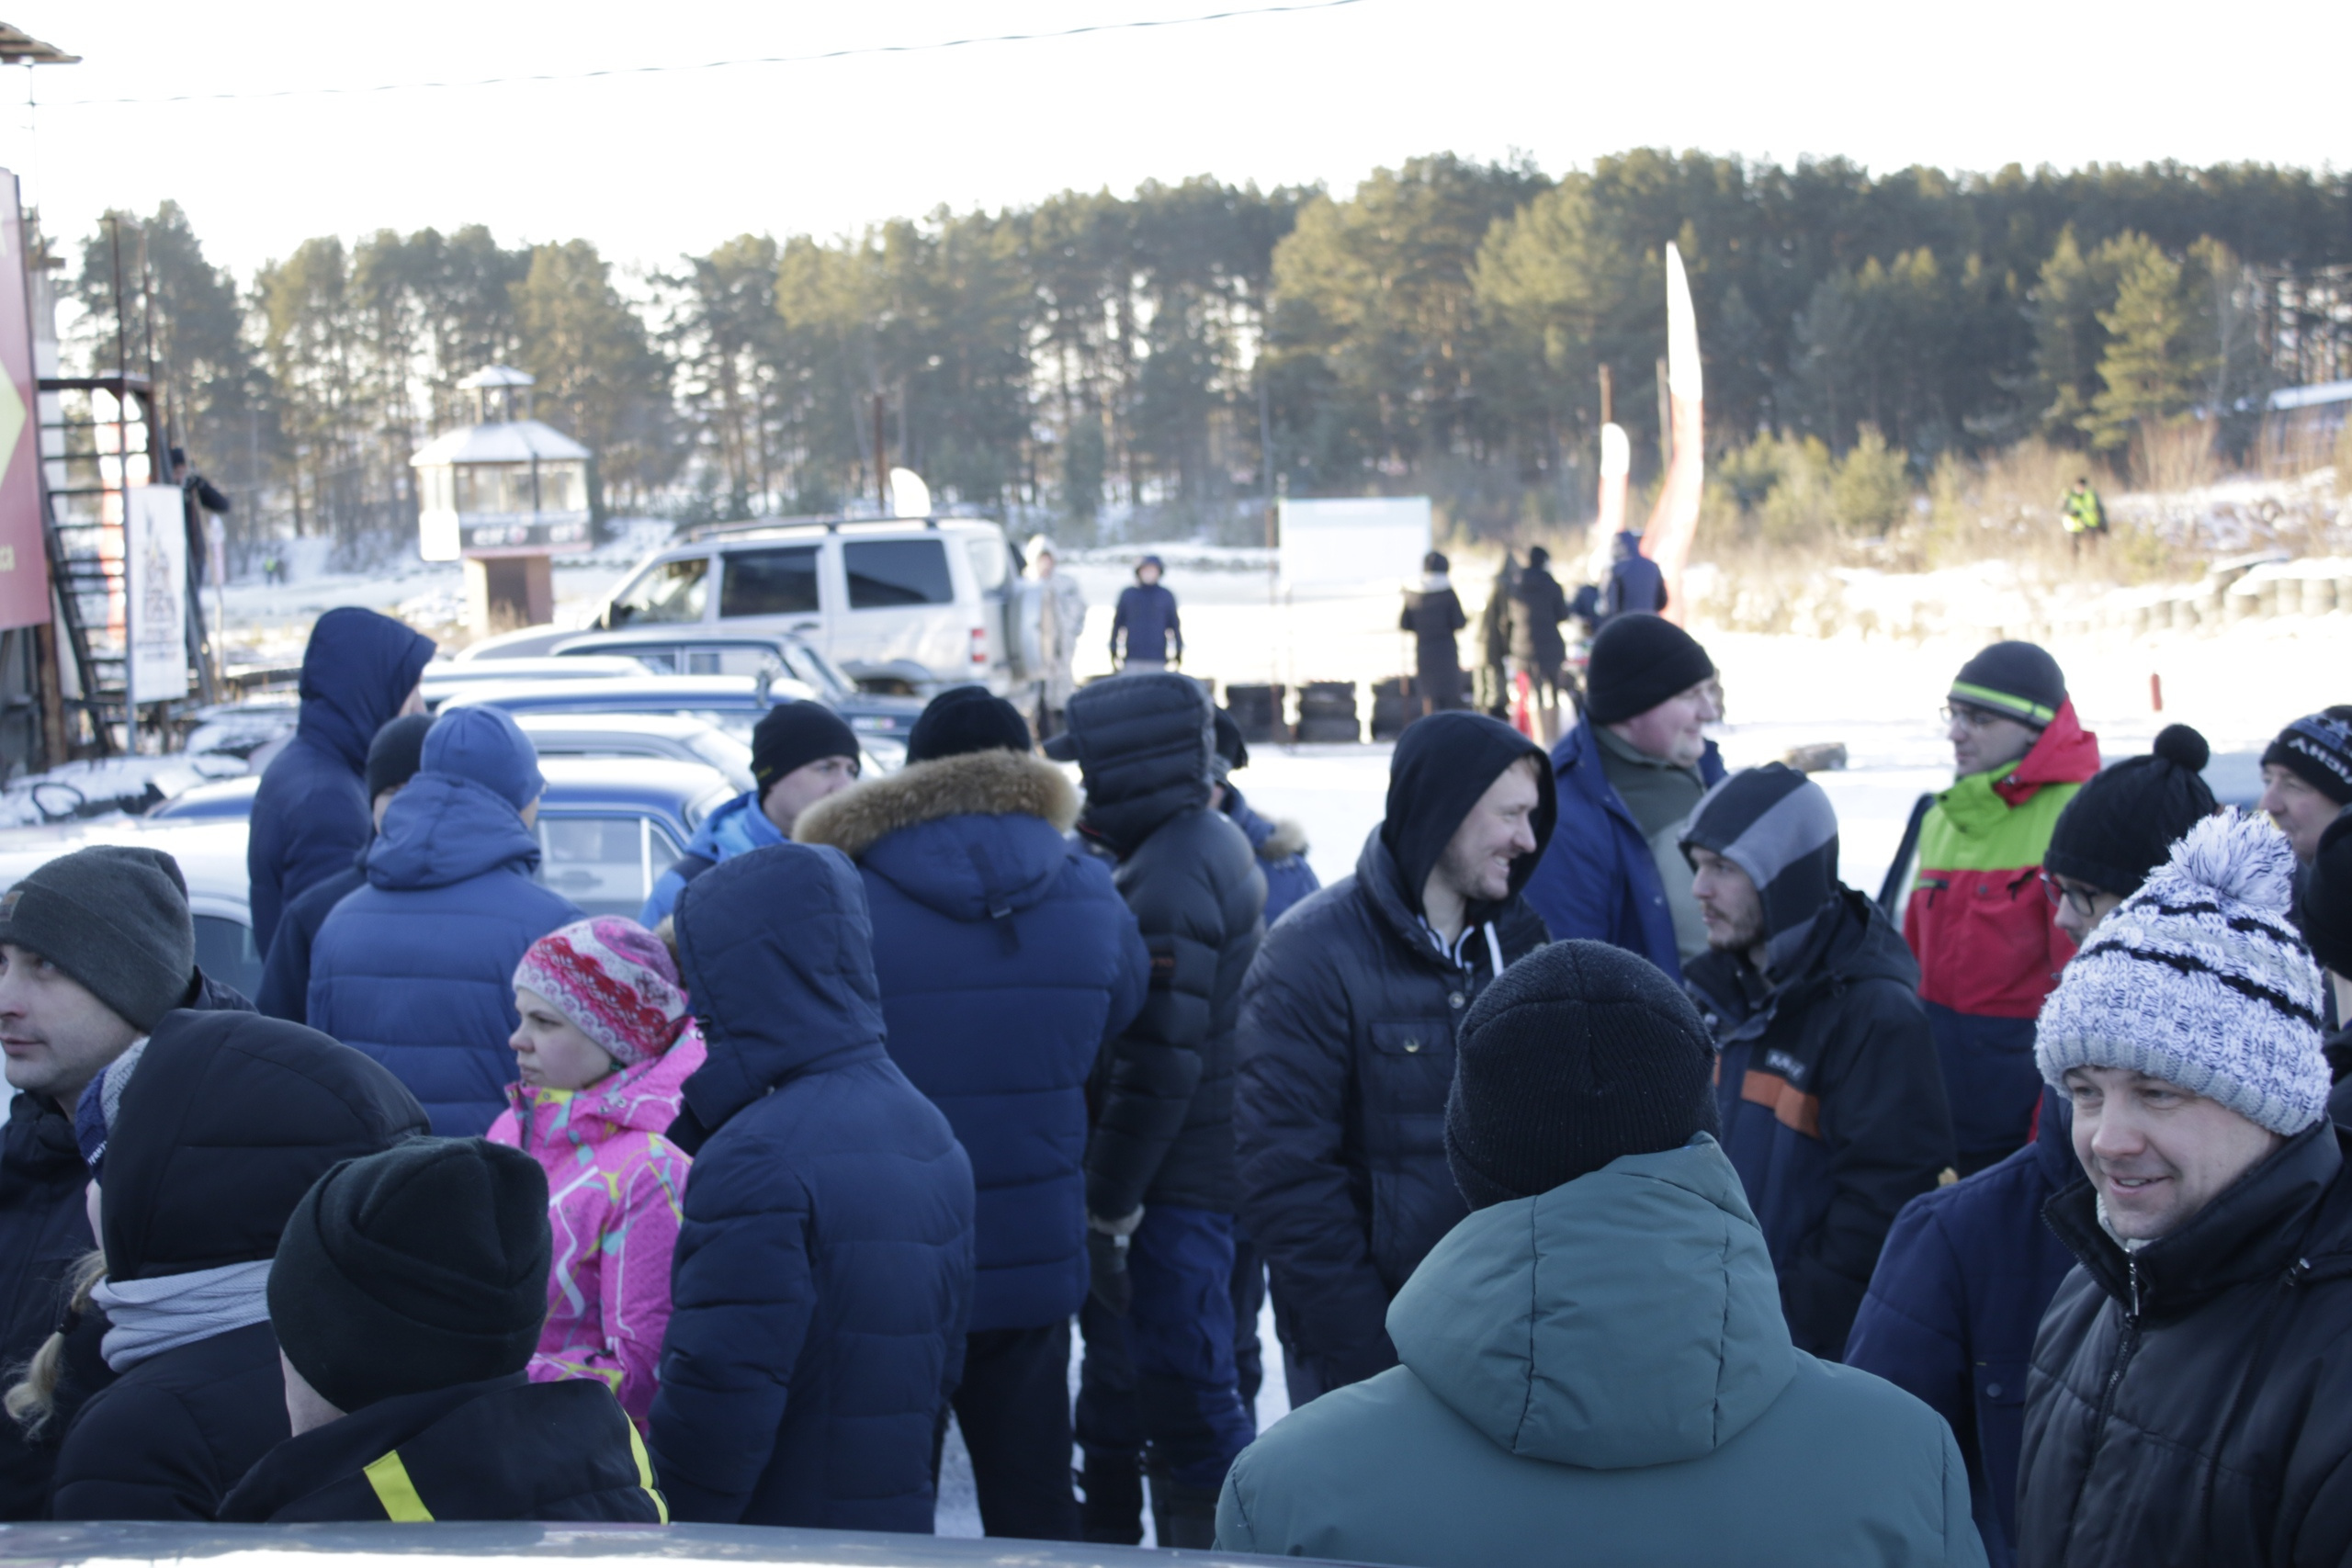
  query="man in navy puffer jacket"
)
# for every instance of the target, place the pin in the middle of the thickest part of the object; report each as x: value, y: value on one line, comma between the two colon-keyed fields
x: 311, y: 816
x: 1006, y: 959
x: 823, y: 1273
x: 417, y: 968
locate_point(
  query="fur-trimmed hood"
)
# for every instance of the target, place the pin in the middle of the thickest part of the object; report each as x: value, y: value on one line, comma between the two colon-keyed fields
x: 983, y: 783
x: 975, y: 837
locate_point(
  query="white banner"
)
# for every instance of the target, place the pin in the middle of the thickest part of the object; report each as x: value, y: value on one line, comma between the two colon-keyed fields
x: 1336, y: 548
x: 155, y: 594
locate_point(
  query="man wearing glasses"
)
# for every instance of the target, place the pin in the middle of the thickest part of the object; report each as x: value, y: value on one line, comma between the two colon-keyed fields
x: 1978, y: 920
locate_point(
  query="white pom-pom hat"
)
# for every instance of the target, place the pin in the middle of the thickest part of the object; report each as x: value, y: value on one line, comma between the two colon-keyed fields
x: 2200, y: 980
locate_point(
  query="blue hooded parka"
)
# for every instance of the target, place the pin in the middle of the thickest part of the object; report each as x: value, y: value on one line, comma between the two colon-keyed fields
x: 735, y: 828
x: 823, y: 1272
x: 417, y: 968
x: 1006, y: 958
x: 311, y: 816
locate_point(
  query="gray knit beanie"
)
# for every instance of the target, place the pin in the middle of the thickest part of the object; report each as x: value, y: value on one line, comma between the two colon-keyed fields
x: 115, y: 919
x: 2199, y: 979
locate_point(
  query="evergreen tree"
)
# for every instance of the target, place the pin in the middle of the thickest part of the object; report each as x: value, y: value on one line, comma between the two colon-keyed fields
x: 2161, y: 343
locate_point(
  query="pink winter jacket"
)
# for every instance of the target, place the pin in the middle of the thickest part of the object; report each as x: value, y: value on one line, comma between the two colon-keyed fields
x: 615, y: 1189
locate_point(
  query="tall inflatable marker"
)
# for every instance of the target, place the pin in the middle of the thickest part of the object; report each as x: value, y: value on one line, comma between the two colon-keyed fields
x: 1675, y: 520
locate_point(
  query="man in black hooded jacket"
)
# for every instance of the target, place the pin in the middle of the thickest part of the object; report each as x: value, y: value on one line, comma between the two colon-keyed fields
x: 1346, y: 1039
x: 1158, y: 1373
x: 1827, y: 1084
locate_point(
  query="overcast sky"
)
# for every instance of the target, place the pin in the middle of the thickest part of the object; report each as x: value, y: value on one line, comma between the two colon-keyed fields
x: 651, y: 166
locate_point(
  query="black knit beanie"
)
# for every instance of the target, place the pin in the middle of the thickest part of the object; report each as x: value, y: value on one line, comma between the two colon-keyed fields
x: 1637, y: 662
x: 396, y: 753
x: 2317, y: 749
x: 2122, y: 824
x: 2324, y: 903
x: 1579, y: 1054
x: 1232, y: 751
x: 2016, y: 679
x: 966, y: 718
x: 115, y: 919
x: 413, y: 1270
x: 794, y: 734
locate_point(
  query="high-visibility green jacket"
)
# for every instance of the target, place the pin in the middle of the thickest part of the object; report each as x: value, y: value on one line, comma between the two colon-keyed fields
x: 2082, y: 511
x: 1977, y: 919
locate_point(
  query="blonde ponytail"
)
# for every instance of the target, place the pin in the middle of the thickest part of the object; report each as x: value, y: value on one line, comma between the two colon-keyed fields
x: 33, y: 1400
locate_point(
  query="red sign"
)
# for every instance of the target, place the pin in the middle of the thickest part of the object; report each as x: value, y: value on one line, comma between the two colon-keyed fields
x: 23, y: 565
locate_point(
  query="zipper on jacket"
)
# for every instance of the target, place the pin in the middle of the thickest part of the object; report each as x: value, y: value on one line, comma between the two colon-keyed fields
x: 2125, y: 1346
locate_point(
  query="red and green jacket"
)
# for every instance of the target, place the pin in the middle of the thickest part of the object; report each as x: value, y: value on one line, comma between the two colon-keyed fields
x: 1978, y: 920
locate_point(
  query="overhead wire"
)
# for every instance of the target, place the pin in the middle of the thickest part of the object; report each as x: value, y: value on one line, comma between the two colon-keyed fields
x: 617, y: 71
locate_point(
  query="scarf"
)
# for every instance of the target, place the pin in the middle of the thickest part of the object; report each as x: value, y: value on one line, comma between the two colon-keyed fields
x: 147, y: 1317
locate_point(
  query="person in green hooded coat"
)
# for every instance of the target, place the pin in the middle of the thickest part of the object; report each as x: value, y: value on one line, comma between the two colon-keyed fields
x: 1594, y: 1364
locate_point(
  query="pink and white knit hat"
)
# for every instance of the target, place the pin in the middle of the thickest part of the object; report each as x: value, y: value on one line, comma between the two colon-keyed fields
x: 615, y: 982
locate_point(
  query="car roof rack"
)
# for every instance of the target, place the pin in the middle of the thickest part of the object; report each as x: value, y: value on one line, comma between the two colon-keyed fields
x: 762, y: 527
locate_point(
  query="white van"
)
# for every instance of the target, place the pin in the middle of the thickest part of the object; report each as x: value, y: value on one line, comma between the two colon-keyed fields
x: 922, y: 599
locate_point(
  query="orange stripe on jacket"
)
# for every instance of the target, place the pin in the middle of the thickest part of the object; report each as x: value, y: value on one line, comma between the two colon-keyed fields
x: 1790, y: 1106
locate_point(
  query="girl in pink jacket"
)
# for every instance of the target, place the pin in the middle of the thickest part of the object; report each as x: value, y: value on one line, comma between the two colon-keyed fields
x: 604, y: 1047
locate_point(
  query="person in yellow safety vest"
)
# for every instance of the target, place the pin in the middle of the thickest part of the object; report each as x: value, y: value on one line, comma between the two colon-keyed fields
x: 2083, y: 513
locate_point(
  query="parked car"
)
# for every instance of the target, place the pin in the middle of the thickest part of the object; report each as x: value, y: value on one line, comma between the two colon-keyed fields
x: 607, y: 827
x: 732, y: 703
x: 445, y: 678
x: 695, y: 652
x: 908, y: 602
x: 672, y: 737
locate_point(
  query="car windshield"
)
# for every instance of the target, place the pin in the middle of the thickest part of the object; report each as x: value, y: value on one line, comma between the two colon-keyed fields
x: 666, y: 594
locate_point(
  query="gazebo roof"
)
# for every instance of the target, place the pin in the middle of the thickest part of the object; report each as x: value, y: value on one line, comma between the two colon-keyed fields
x: 516, y: 441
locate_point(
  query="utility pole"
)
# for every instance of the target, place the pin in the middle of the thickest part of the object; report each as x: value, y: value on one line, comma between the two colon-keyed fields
x: 1608, y: 415
x: 882, y: 464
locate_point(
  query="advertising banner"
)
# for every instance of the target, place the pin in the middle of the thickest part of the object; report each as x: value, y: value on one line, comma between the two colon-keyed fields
x: 156, y: 593
x: 23, y: 565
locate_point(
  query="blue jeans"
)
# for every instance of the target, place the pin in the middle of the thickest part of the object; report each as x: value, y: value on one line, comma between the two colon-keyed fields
x: 1158, y: 1384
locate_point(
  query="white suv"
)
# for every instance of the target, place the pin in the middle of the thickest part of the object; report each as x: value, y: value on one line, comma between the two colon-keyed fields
x: 922, y: 599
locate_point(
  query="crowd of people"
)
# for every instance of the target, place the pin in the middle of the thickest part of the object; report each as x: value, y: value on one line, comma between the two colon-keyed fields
x: 1627, y: 1188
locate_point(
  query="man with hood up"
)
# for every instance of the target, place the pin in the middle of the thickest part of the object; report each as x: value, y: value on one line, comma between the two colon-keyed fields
x: 1006, y: 960
x: 1594, y: 1367
x: 1349, y: 1020
x: 1988, y: 949
x: 1159, y: 1166
x: 824, y: 1275
x: 311, y: 817
x: 417, y: 968
x: 1829, y: 1094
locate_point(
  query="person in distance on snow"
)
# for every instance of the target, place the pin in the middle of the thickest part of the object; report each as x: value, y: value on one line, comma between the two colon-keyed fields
x: 1433, y: 614
x: 1349, y: 1019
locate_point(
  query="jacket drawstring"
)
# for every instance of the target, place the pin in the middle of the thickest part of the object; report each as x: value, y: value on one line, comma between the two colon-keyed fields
x: 1494, y: 950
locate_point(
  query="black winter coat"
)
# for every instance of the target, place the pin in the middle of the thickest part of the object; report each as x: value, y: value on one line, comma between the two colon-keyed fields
x: 1538, y: 607
x: 169, y: 1437
x: 1162, y: 1093
x: 285, y: 970
x: 507, y: 1449
x: 44, y: 1229
x: 2192, y: 1403
x: 1348, y: 1027
x: 1832, y: 1104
